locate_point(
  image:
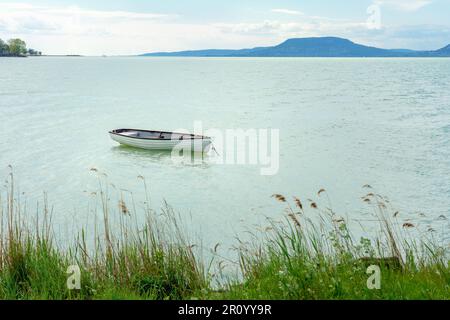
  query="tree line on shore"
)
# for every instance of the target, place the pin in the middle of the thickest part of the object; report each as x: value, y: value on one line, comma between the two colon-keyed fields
x: 16, y: 48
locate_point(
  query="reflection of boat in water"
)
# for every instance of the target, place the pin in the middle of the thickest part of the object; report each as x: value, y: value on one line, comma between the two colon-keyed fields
x: 157, y: 156
x: 161, y: 140
x: 148, y: 157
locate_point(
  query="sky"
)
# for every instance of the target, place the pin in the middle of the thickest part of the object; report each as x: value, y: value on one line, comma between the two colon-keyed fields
x: 123, y: 27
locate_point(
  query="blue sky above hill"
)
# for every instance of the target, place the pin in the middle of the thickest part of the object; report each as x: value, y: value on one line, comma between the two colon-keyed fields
x: 137, y: 26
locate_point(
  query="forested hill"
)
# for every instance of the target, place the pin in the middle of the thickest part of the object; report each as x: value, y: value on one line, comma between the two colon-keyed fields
x: 309, y: 47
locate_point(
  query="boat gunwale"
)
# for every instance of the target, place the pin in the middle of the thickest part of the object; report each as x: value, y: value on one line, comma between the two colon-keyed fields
x: 190, y: 135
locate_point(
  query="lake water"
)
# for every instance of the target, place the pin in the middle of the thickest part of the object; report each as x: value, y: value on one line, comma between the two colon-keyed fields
x: 343, y: 123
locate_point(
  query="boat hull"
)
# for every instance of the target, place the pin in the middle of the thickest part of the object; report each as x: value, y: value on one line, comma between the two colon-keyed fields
x: 193, y: 145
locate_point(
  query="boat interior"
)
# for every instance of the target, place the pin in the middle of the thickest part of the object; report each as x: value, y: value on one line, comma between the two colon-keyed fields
x: 156, y: 135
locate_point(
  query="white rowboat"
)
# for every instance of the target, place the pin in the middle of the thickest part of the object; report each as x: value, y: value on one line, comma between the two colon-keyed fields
x: 161, y: 140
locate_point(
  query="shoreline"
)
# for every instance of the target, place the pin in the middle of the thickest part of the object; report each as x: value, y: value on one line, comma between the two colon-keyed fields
x: 292, y: 259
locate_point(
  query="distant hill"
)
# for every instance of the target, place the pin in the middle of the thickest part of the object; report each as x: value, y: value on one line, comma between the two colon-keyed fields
x: 444, y: 51
x: 308, y: 47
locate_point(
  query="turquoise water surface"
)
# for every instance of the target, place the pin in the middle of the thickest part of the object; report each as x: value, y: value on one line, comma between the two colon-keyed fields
x: 343, y: 123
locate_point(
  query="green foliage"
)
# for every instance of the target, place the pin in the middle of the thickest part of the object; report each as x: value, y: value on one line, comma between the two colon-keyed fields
x: 17, y: 47
x: 299, y: 258
x: 4, y: 48
x: 297, y: 261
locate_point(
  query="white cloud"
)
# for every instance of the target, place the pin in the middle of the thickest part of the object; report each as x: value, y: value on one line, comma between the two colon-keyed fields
x: 30, y: 9
x: 422, y: 37
x: 74, y: 30
x: 27, y: 18
x: 288, y: 11
x: 308, y: 27
x: 70, y: 29
x: 404, y: 5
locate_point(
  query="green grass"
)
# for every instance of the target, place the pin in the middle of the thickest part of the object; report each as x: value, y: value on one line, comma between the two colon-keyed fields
x: 302, y: 259
x: 311, y: 254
